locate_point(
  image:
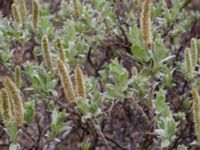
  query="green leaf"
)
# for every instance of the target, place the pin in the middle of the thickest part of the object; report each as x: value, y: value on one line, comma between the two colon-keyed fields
x: 30, y: 112
x: 13, y: 146
x: 182, y: 147
x: 140, y: 53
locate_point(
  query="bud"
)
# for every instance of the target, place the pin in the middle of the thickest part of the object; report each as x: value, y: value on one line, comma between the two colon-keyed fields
x: 35, y: 15
x: 22, y: 9
x: 194, y: 52
x: 46, y: 53
x: 188, y: 64
x: 80, y: 83
x: 145, y: 22
x: 134, y: 72
x: 18, y: 76
x: 65, y: 81
x: 5, y: 106
x: 196, y: 112
x: 60, y: 48
x: 77, y: 11
x: 15, y: 13
x: 16, y: 101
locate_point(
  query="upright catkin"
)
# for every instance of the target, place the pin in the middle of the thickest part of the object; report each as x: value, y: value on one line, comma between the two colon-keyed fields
x: 65, y: 81
x: 134, y: 72
x: 77, y: 11
x: 5, y: 106
x: 196, y: 112
x: 15, y: 13
x: 188, y: 63
x: 145, y: 23
x: 80, y: 83
x: 194, y: 52
x: 16, y: 101
x: 18, y: 76
x: 47, y: 53
x: 60, y: 48
x: 35, y: 15
x: 22, y: 9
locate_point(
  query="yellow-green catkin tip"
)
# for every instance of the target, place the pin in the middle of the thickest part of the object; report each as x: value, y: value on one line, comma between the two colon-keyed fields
x: 16, y: 101
x: 194, y: 52
x: 60, y: 48
x: 22, y: 9
x: 134, y: 72
x: 77, y: 10
x: 188, y: 63
x: 80, y: 83
x: 196, y: 112
x: 35, y: 15
x: 18, y: 76
x: 145, y: 23
x: 47, y: 53
x: 15, y: 13
x: 5, y: 106
x: 65, y: 80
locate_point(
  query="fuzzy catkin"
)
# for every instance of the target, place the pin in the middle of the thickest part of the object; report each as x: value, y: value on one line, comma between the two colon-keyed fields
x: 188, y: 63
x: 196, y: 112
x: 47, y: 53
x: 134, y: 72
x: 77, y: 11
x: 145, y: 23
x: 22, y: 9
x: 194, y: 52
x: 5, y: 106
x: 16, y: 101
x: 35, y: 15
x: 18, y: 76
x: 65, y: 81
x: 80, y: 83
x: 15, y: 13
x: 60, y: 48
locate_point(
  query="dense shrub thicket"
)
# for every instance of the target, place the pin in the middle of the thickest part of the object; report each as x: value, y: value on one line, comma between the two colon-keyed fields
x: 100, y: 75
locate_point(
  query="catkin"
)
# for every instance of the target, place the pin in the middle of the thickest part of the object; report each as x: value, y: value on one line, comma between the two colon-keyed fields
x: 35, y: 15
x: 22, y: 9
x: 47, y: 53
x: 16, y: 101
x: 145, y: 22
x: 5, y: 106
x: 60, y: 48
x: 65, y: 81
x: 194, y: 52
x: 80, y: 83
x: 18, y: 76
x: 196, y: 112
x: 188, y: 63
x: 134, y: 72
x: 15, y: 13
x: 77, y: 11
